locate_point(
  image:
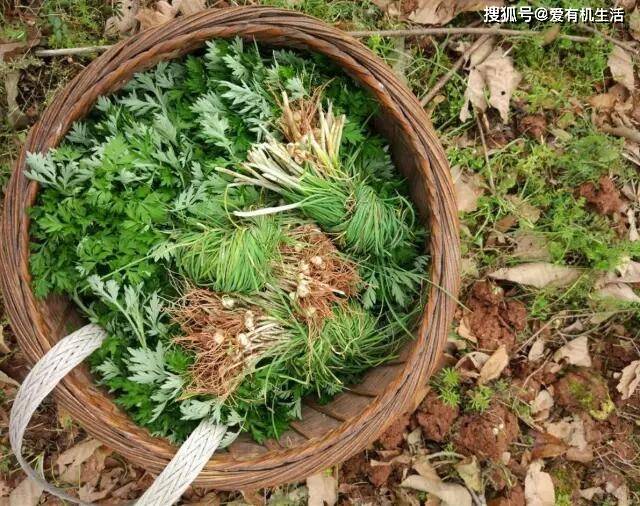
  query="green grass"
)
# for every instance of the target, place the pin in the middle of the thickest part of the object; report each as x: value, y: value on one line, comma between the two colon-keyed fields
x: 71, y: 23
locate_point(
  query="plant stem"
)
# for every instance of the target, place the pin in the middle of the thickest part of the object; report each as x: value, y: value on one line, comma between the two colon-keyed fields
x: 409, y: 32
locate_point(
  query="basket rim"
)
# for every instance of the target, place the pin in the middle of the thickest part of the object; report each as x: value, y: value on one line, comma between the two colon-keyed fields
x: 110, y: 71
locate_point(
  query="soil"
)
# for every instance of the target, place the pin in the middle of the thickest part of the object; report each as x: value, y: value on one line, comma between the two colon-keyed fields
x: 581, y: 390
x: 604, y: 198
x: 486, y: 435
x: 435, y: 417
x: 515, y: 497
x: 393, y: 438
x: 493, y: 319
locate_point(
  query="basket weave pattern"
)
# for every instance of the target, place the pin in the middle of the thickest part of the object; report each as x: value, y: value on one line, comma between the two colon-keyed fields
x: 327, y: 434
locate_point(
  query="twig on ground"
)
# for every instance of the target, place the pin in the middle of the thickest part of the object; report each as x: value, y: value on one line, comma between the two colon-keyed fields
x: 451, y: 72
x: 613, y: 40
x: 630, y: 134
x: 416, y: 32
x: 71, y: 51
x: 460, y: 30
x: 486, y: 152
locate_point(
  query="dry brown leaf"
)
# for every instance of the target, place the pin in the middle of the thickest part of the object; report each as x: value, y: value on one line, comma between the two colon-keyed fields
x: 188, y: 7
x: 161, y: 14
x: 8, y: 380
x: 538, y: 486
x: 633, y: 225
x: 450, y: 494
x: 531, y: 246
x: 547, y: 446
x: 27, y: 493
x: 464, y: 331
x: 538, y: 274
x: 536, y: 352
x: 629, y: 379
x: 323, y: 489
x: 498, y: 75
x: 620, y: 492
x: 524, y: 209
x: 634, y: 24
x: 541, y: 406
x: 440, y: 12
x: 493, y: 367
x: 70, y: 461
x: 621, y: 67
x: 570, y: 430
x: 468, y: 188
x: 614, y: 284
x: 603, y: 101
x: 628, y: 272
x: 15, y: 116
x: 124, y: 22
x: 3, y: 345
x: 617, y: 291
x: 575, y: 352
x: 470, y: 472
x: 590, y: 493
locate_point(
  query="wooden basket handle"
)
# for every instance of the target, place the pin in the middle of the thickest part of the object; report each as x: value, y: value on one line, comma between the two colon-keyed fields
x: 69, y: 352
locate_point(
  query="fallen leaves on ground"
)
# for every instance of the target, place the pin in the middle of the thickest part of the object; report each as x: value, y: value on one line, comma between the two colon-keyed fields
x: 161, y: 14
x: 541, y: 406
x: 451, y: 494
x: 70, y: 461
x: 621, y: 67
x: 617, y: 284
x: 629, y: 379
x: 27, y: 493
x: 575, y: 352
x: 538, y: 274
x: 15, y: 117
x: 469, y: 471
x: 538, y: 486
x: 571, y: 431
x: 469, y: 189
x: 493, y: 367
x: 124, y: 22
x: 440, y: 12
x: 499, y: 77
x: 165, y: 11
x: 323, y: 489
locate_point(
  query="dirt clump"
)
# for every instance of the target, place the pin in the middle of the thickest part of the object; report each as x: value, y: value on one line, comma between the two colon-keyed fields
x: 493, y: 319
x: 435, y: 417
x: 515, y: 497
x: 486, y: 435
x: 394, y: 435
x: 379, y: 475
x: 581, y: 390
x: 604, y: 198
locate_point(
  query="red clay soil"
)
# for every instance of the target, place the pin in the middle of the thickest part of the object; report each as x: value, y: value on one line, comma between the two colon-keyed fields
x: 604, y: 199
x: 493, y: 319
x: 486, y: 435
x: 435, y: 417
x: 581, y: 389
x: 393, y: 438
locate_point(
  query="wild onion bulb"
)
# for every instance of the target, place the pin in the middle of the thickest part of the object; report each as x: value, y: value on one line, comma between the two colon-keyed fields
x: 310, y: 176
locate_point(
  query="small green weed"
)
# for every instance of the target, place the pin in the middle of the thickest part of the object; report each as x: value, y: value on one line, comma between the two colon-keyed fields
x: 447, y: 384
x: 480, y: 398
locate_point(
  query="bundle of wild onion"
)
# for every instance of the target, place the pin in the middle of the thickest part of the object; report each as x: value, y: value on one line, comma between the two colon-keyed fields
x: 238, y: 229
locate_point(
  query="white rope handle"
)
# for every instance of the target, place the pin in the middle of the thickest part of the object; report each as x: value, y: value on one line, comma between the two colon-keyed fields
x: 49, y: 371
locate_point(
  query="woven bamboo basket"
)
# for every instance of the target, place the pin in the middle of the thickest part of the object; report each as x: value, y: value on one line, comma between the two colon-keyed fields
x: 326, y: 434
